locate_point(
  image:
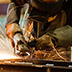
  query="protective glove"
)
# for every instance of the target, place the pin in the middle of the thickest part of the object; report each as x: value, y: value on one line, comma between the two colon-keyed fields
x: 45, y: 42
x: 11, y: 29
x: 20, y: 43
x: 14, y: 33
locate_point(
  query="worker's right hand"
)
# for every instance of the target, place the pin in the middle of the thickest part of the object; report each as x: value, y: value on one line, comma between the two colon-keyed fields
x: 20, y: 43
x: 11, y: 29
x: 14, y: 33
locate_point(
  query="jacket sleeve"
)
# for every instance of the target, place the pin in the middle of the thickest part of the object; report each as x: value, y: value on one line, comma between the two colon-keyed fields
x: 13, y: 17
x: 14, y: 11
x: 62, y: 35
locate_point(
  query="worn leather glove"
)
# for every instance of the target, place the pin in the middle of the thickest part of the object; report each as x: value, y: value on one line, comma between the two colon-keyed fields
x: 14, y: 33
x: 20, y: 43
x: 11, y: 29
x: 45, y: 42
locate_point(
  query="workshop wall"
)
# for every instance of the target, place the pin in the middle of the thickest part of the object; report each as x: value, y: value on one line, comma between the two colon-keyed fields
x: 3, y: 6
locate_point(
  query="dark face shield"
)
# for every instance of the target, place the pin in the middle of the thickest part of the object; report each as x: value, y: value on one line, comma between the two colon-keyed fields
x: 43, y: 9
x: 50, y: 7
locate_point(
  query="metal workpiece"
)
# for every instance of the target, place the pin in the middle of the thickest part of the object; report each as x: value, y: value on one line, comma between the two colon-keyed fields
x: 17, y: 68
x: 12, y: 65
x: 34, y: 65
x: 28, y: 67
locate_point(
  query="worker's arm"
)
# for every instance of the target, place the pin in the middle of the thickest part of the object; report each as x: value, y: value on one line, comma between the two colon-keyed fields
x: 63, y: 35
x: 13, y: 17
x: 13, y: 29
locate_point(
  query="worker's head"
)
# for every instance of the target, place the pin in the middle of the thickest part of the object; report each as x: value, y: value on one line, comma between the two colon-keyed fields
x: 46, y: 8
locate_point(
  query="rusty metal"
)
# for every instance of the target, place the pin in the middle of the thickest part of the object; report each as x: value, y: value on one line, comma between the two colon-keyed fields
x: 33, y: 65
x: 14, y: 67
x: 52, y: 63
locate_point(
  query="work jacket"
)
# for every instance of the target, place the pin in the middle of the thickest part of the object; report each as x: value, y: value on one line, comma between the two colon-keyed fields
x: 59, y: 28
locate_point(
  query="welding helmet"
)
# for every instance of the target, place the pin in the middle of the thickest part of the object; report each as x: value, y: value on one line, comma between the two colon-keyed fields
x: 42, y: 9
x: 51, y: 7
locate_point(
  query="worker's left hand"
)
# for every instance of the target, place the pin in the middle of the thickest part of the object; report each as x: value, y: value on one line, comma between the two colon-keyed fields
x: 45, y: 42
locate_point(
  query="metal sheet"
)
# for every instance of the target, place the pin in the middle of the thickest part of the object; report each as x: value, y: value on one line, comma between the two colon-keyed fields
x: 37, y: 63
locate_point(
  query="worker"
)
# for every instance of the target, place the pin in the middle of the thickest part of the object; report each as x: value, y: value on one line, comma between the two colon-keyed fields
x: 47, y: 23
